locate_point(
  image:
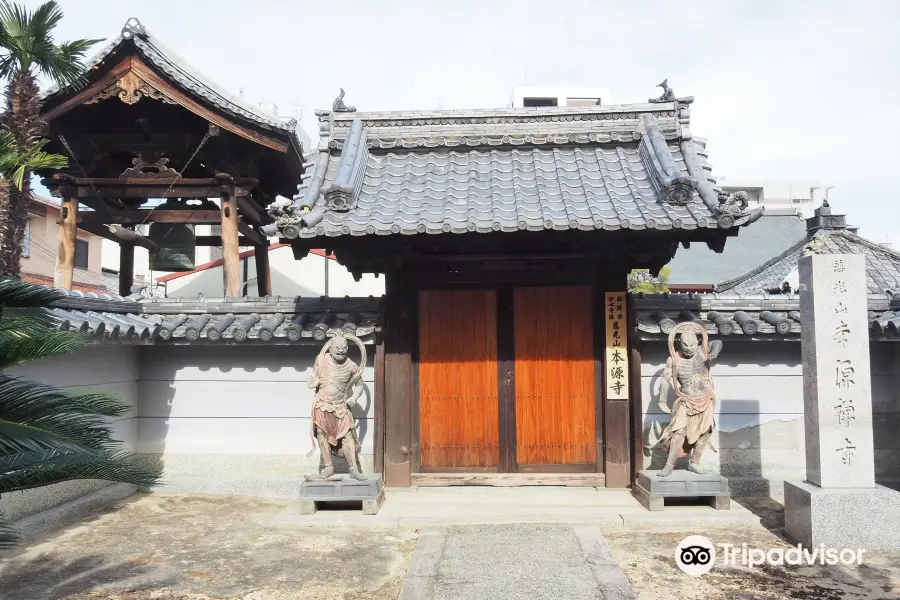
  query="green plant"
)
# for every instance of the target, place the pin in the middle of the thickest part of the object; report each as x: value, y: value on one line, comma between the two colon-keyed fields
x: 27, y: 49
x: 640, y: 280
x: 49, y: 435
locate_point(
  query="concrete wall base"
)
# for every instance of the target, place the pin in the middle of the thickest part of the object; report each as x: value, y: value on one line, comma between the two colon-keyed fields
x: 842, y: 517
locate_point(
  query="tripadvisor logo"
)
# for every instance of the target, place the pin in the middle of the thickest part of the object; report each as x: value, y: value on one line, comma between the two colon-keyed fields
x: 696, y: 555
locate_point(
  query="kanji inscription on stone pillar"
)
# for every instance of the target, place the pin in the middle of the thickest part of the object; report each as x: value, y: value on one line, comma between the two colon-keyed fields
x: 837, y: 386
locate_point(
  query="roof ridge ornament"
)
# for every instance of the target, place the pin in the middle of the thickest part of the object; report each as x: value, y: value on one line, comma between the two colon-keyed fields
x: 339, y: 106
x: 667, y: 95
x: 133, y: 27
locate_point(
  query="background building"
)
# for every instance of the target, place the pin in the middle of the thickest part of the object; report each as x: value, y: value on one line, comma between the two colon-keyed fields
x: 804, y: 196
x: 39, y: 249
x: 314, y: 275
x: 528, y: 96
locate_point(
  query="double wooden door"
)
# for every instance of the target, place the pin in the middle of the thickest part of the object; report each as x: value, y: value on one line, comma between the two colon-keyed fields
x: 479, y: 411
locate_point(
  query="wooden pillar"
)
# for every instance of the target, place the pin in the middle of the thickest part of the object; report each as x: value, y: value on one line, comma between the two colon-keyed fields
x: 400, y: 330
x: 379, y: 393
x: 263, y: 274
x: 617, y: 424
x: 637, y: 405
x: 65, y: 251
x: 230, y: 251
x: 126, y: 269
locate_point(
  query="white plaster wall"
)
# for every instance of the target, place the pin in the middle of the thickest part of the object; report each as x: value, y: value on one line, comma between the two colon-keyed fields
x: 759, y: 427
x: 236, y: 420
x: 111, y: 369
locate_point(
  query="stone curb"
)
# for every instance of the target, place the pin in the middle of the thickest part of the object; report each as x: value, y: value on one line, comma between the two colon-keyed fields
x: 614, y: 585
x: 72, y: 510
x: 423, y: 570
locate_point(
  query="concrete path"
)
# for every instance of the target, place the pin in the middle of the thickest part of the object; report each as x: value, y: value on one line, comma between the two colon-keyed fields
x: 512, y: 562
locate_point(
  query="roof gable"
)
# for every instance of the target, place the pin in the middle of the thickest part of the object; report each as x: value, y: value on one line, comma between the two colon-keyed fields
x: 135, y: 65
x: 882, y: 264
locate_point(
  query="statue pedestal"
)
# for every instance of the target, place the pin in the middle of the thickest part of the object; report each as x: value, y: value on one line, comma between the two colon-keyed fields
x: 369, y: 491
x: 842, y: 517
x: 651, y: 491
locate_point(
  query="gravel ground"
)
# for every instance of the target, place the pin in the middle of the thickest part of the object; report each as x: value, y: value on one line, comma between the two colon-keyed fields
x: 647, y: 558
x: 167, y: 547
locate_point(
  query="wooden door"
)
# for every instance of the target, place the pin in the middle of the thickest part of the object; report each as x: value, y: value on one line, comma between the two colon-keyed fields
x: 458, y: 411
x: 554, y: 359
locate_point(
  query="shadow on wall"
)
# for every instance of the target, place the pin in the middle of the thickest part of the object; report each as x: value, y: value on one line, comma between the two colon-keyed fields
x: 736, y: 441
x: 252, y: 400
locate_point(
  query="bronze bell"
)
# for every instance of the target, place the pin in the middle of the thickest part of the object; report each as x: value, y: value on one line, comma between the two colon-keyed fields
x: 176, y: 243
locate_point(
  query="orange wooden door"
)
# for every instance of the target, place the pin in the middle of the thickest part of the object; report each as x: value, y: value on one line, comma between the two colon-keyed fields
x: 458, y: 422
x: 554, y: 354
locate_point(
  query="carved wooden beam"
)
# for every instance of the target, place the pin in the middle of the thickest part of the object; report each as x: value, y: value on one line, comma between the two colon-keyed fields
x: 138, y: 217
x: 255, y: 237
x: 119, y: 234
x: 250, y: 212
x: 131, y: 80
x: 130, y: 88
x: 152, y: 186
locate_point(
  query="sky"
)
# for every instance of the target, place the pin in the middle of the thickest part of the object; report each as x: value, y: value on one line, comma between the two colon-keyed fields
x: 784, y: 89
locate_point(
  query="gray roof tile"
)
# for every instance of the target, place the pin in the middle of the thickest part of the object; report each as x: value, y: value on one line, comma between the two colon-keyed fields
x: 588, y: 168
x: 533, y: 189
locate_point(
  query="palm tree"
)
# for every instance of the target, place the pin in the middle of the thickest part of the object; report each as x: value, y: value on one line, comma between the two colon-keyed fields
x: 27, y: 49
x: 13, y: 167
x: 49, y: 435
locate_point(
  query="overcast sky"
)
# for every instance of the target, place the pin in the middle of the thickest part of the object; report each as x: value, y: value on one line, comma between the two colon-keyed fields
x: 785, y: 89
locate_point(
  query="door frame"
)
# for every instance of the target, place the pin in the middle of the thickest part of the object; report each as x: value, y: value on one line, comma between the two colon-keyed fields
x: 506, y: 382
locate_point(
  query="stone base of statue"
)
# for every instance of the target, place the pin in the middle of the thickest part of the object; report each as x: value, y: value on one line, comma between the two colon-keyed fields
x: 652, y: 491
x: 842, y: 517
x: 342, y: 489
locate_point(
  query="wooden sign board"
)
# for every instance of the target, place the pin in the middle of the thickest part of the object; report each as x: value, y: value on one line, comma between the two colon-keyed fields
x: 616, y: 359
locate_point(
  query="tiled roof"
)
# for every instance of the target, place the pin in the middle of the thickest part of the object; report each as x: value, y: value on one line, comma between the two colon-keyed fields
x: 882, y: 264
x: 749, y: 316
x: 598, y: 167
x: 188, y: 78
x: 247, y: 320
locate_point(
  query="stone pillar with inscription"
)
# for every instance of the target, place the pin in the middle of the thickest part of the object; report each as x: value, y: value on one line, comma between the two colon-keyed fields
x: 839, y: 503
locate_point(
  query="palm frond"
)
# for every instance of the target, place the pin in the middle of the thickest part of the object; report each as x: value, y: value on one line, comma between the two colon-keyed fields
x: 9, y: 537
x: 36, y: 416
x: 44, y: 19
x: 17, y: 348
x: 32, y: 321
x: 66, y: 64
x: 119, y: 466
x: 33, y: 159
x: 15, y: 37
x: 28, y: 40
x: 17, y: 293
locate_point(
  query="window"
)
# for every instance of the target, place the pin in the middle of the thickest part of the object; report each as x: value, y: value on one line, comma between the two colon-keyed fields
x: 582, y: 101
x: 26, y: 243
x: 526, y: 102
x: 81, y: 254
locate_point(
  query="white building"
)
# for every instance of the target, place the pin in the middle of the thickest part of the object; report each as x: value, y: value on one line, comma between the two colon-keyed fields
x: 805, y: 196
x: 314, y: 275
x: 526, y: 96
